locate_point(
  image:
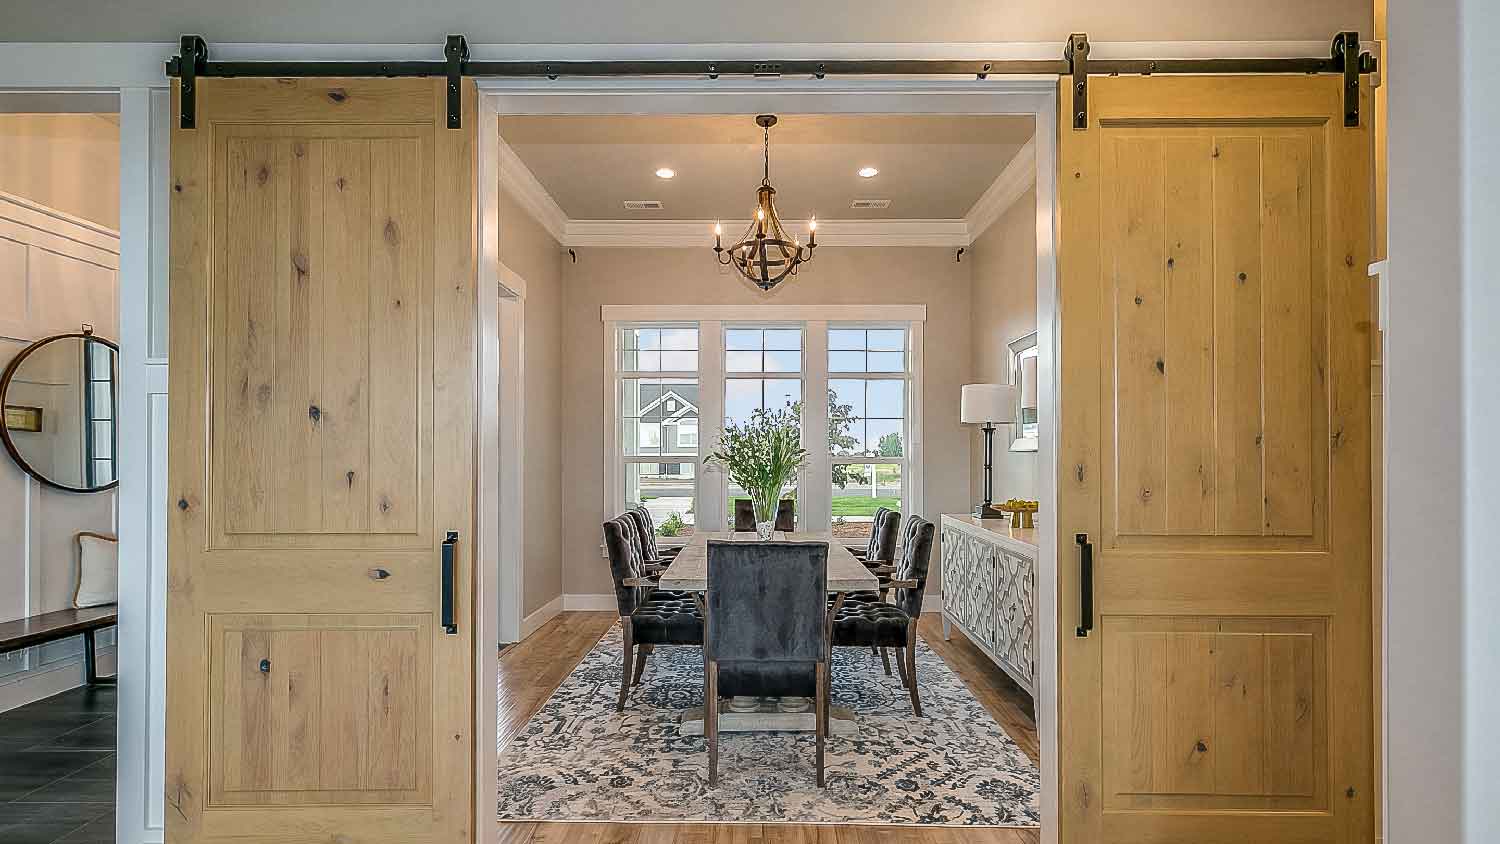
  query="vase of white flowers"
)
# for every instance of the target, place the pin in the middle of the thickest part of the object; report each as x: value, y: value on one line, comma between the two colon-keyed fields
x: 762, y: 456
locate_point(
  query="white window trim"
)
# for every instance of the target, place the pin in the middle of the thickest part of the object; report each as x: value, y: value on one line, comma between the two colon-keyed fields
x: 815, y: 493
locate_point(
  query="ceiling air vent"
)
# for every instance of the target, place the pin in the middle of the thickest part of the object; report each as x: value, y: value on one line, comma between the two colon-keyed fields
x: 870, y: 203
x: 643, y: 205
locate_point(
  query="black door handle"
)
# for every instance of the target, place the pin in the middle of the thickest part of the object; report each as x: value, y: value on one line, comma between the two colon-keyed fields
x: 1086, y: 583
x: 448, y: 543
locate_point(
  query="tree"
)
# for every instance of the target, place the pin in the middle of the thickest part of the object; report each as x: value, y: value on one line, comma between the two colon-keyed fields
x: 890, y: 444
x: 840, y: 419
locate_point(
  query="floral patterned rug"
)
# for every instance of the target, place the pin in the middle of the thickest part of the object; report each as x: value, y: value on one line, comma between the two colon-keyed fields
x: 578, y: 759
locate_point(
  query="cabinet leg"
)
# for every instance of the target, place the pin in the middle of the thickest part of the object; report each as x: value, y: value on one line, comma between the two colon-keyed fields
x: 947, y: 629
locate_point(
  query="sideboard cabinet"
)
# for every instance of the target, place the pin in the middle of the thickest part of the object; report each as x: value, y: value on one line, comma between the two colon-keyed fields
x: 989, y: 591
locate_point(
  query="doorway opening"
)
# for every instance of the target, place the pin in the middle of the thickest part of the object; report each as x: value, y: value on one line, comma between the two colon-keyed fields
x: 933, y: 280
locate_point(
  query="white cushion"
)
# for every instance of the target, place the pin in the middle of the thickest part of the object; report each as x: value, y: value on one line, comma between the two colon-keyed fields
x: 98, y: 570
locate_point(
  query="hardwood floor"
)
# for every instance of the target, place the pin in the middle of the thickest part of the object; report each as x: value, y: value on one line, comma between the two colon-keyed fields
x: 533, y: 669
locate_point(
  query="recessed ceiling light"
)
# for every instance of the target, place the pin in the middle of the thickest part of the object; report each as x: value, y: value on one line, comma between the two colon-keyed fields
x: 868, y: 172
x: 665, y: 173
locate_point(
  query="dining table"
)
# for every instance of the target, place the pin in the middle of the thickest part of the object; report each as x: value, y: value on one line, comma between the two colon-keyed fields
x: 688, y: 572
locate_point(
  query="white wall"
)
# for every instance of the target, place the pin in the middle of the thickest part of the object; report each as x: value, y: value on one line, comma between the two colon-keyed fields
x: 1442, y: 458
x: 56, y: 272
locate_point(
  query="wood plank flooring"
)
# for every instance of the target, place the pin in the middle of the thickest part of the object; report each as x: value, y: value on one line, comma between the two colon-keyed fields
x: 533, y: 669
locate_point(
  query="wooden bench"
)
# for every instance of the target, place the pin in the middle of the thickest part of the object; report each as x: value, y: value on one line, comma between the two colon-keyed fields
x: 51, y: 626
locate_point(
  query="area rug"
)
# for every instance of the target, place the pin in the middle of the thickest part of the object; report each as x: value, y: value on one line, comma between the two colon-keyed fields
x: 578, y: 759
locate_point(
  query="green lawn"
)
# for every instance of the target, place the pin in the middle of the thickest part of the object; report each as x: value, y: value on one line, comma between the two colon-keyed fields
x: 861, y: 505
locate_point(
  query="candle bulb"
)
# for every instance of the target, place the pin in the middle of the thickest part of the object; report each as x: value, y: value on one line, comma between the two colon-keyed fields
x: 718, y: 237
x: 812, y: 232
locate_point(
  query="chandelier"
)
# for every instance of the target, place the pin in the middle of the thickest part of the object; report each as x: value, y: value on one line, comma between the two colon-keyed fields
x: 766, y: 253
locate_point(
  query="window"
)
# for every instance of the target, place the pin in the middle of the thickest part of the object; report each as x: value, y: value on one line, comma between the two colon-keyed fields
x: 656, y: 388
x: 677, y: 374
x: 868, y: 413
x: 762, y: 371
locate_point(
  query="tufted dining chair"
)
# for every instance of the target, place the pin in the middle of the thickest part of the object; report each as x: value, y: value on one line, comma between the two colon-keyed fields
x: 766, y: 630
x: 877, y: 624
x: 655, y: 555
x: 648, y: 616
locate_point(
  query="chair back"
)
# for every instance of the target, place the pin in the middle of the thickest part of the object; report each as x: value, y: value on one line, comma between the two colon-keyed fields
x: 915, y: 557
x: 883, y: 536
x: 744, y: 515
x: 766, y: 622
x: 645, y: 532
x: 622, y: 541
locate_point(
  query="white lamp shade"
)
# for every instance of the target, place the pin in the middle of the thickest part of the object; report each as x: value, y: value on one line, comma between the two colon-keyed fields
x: 982, y: 403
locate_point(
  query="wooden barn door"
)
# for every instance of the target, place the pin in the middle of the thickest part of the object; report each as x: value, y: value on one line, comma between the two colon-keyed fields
x: 1214, y: 449
x: 322, y: 422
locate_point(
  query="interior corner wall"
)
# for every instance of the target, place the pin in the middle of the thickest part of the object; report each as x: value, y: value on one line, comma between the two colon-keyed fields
x: 840, y: 276
x: 531, y: 252
x: 1002, y: 309
x: 67, y: 163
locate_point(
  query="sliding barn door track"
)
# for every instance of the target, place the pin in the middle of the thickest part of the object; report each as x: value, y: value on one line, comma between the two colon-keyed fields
x: 1344, y: 58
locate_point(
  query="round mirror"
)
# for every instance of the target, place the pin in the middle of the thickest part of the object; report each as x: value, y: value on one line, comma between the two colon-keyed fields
x: 59, y: 396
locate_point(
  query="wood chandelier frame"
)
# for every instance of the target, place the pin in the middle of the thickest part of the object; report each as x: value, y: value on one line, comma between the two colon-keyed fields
x: 1344, y: 58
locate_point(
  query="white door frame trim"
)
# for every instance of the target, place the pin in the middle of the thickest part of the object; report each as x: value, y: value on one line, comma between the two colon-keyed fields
x: 1035, y: 96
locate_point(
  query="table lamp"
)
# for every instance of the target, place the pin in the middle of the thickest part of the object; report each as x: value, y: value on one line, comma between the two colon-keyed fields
x: 988, y: 405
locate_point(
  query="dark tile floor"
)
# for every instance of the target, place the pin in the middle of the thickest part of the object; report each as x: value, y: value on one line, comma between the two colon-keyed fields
x: 57, y: 769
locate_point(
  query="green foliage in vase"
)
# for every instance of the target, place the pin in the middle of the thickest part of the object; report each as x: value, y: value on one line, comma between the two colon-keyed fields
x: 763, y: 454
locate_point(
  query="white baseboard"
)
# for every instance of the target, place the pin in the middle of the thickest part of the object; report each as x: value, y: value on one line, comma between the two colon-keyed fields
x: 605, y: 603
x: 51, y: 679
x: 590, y: 603
x: 545, y: 613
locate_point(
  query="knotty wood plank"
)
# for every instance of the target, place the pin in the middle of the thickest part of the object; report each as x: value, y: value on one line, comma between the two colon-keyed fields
x: 299, y: 327
x: 1138, y: 269
x: 1239, y: 709
x: 296, y: 703
x: 1190, y: 459
x: 1286, y: 232
x: 1237, y: 332
x: 346, y: 337
x: 398, y: 232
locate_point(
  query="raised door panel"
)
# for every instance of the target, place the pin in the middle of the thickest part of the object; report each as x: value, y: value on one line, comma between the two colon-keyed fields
x: 319, y: 709
x: 323, y: 325
x: 1228, y: 714
x: 1219, y: 336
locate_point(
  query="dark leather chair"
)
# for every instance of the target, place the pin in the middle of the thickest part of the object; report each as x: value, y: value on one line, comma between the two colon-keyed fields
x: 648, y: 616
x: 766, y: 630
x: 653, y: 553
x: 882, y: 544
x: 744, y: 515
x: 878, y: 624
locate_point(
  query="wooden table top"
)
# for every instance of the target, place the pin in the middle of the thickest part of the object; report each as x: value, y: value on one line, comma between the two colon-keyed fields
x: 689, y: 571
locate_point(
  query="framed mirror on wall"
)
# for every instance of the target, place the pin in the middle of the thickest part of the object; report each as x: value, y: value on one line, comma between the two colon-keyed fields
x: 60, y: 399
x: 1023, y: 434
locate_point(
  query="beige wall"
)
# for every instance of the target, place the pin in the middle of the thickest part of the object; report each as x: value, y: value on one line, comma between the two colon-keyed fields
x: 1002, y: 309
x: 529, y: 250
x: 839, y: 276
x: 70, y: 162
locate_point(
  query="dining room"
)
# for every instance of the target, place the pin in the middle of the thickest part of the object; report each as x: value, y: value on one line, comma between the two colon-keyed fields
x: 783, y: 386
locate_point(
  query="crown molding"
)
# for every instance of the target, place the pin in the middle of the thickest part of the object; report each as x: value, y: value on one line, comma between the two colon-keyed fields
x: 699, y: 233
x: 521, y: 183
x: 1017, y: 177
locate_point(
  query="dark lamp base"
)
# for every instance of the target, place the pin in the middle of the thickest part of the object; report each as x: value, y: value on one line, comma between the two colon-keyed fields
x: 989, y: 511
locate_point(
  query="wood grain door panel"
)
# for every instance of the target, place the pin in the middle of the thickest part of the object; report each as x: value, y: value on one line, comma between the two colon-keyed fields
x: 323, y: 306
x: 319, y: 709
x: 1213, y: 443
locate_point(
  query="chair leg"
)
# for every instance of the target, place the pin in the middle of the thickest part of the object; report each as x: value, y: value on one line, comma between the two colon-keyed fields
x: 901, y: 666
x: 885, y: 659
x: 641, y: 652
x: 625, y: 665
x: 820, y: 717
x: 911, y: 667
x: 711, y: 723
